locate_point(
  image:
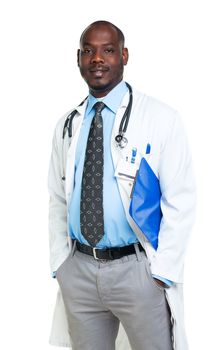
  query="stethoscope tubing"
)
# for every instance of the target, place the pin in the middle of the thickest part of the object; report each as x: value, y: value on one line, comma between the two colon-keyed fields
x: 120, y: 139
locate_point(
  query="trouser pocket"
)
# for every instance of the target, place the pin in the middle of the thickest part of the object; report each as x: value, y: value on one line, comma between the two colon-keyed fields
x: 150, y: 276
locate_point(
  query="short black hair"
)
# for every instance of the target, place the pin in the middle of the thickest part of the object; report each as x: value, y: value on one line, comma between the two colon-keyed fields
x: 98, y: 23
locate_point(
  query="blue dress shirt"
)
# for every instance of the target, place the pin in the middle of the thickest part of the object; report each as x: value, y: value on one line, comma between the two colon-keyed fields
x: 118, y: 232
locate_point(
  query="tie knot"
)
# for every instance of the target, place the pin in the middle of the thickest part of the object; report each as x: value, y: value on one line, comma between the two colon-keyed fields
x: 99, y: 106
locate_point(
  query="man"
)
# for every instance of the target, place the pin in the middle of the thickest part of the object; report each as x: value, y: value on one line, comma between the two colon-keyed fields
x: 121, y: 208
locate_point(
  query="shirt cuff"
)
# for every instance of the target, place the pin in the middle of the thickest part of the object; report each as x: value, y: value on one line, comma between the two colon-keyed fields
x: 167, y: 282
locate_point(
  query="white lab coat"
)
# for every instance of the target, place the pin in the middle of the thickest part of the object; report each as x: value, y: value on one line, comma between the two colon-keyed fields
x: 157, y: 124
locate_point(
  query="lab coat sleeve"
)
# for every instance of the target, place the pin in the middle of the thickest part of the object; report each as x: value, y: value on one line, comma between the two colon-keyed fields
x: 58, y: 238
x: 177, y: 204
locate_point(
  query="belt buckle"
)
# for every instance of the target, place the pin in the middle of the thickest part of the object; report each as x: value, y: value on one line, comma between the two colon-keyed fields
x: 94, y: 253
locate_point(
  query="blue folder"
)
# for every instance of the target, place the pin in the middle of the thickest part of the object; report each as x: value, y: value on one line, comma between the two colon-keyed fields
x: 145, y: 207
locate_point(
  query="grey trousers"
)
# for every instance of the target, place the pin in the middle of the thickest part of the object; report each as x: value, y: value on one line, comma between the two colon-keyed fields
x: 100, y: 294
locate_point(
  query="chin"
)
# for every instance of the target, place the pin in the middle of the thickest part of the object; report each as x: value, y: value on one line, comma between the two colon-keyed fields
x: 99, y: 82
x: 100, y: 85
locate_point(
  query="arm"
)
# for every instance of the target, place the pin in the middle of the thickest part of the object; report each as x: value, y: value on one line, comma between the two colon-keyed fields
x: 58, y: 238
x: 177, y: 205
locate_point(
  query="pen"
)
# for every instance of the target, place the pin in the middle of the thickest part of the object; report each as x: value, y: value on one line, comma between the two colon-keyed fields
x: 134, y: 152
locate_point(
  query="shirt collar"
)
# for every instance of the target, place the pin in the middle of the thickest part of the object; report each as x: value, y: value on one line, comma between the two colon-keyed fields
x: 112, y: 100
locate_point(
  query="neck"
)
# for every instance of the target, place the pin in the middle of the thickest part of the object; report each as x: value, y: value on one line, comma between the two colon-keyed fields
x: 103, y: 91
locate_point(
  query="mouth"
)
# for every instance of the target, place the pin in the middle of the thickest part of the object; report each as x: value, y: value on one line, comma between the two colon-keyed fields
x: 98, y: 72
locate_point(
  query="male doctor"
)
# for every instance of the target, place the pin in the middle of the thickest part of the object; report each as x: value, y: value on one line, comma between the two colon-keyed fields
x: 122, y: 200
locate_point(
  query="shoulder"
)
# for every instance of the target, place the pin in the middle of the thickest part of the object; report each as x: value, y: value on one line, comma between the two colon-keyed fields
x: 61, y: 122
x: 79, y: 110
x: 156, y: 110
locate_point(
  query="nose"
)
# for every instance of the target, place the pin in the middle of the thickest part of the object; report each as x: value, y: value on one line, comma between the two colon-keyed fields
x: 97, y: 57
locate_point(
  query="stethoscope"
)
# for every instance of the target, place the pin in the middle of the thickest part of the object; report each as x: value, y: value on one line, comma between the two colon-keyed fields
x: 121, y: 140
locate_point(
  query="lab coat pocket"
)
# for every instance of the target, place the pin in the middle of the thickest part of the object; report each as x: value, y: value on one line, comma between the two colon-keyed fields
x: 126, y: 174
x: 126, y: 171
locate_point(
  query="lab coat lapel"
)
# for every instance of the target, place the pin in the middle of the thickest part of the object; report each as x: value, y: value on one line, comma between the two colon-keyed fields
x: 70, y: 168
x: 117, y: 152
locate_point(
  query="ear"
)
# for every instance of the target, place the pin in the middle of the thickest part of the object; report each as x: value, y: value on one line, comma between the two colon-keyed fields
x: 78, y: 56
x: 125, y: 55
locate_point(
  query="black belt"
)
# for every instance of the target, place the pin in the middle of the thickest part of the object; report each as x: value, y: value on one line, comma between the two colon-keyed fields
x: 108, y: 253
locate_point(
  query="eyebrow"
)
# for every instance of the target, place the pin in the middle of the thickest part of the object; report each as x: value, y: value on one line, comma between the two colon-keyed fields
x: 90, y: 44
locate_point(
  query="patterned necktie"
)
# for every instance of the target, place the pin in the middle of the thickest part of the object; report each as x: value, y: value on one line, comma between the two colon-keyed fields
x: 91, y: 205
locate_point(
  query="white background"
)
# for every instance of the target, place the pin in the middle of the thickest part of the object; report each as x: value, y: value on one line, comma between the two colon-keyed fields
x: 175, y: 55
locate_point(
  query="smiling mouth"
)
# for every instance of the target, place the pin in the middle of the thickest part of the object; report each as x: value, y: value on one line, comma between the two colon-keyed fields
x: 99, y: 69
x: 98, y: 72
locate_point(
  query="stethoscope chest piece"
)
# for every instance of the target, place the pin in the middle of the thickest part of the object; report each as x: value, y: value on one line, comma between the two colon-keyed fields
x: 121, y: 141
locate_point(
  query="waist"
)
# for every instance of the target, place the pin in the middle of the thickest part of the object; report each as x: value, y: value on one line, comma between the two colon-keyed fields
x: 108, y: 253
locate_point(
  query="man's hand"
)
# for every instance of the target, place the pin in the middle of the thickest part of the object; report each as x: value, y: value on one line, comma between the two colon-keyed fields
x: 161, y: 283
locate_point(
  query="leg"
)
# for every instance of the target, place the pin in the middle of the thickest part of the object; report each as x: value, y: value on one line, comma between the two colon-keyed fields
x: 140, y: 305
x: 91, y: 325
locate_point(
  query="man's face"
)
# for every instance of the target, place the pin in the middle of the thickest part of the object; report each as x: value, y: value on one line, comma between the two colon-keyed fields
x: 101, y: 59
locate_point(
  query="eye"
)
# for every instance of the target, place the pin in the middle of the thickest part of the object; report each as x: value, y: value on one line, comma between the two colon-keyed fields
x: 109, y: 50
x: 86, y: 51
